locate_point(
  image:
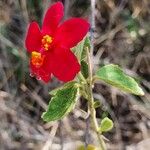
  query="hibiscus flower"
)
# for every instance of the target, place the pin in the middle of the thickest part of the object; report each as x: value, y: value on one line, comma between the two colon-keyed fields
x: 50, y: 46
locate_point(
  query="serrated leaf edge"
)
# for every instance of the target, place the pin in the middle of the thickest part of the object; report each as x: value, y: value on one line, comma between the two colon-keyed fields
x: 67, y: 112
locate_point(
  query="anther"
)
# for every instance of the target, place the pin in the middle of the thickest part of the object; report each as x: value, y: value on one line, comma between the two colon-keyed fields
x: 46, y: 41
x: 37, y: 59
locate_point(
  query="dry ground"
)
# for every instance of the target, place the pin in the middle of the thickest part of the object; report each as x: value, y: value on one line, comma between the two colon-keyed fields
x: 121, y: 36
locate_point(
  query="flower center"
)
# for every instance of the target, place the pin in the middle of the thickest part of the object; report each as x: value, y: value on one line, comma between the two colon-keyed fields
x: 46, y: 41
x: 37, y: 59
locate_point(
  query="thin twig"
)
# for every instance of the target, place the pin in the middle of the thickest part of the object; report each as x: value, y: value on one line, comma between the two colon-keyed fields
x: 48, y: 143
x: 87, y: 134
x: 91, y: 104
x: 61, y: 135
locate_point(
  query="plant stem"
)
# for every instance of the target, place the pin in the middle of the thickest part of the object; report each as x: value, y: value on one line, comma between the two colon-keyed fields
x: 91, y: 103
x: 81, y: 77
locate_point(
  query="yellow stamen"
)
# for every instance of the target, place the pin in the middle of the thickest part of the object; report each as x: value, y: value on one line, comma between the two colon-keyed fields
x: 37, y: 59
x: 46, y: 41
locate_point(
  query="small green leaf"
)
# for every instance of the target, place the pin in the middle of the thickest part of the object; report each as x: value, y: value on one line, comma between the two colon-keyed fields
x: 97, y: 104
x: 84, y: 69
x: 62, y: 102
x: 114, y: 76
x: 87, y: 43
x: 78, y: 49
x: 106, y: 125
x: 89, y: 147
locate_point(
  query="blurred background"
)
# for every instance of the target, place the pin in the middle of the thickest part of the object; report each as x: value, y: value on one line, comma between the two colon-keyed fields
x: 121, y: 31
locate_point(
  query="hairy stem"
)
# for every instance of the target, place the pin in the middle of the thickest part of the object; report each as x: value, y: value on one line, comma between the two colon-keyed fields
x: 91, y: 102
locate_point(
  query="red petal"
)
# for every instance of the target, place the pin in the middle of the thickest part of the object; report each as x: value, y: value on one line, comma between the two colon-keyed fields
x: 61, y: 62
x: 33, y: 38
x: 71, y: 32
x: 64, y: 64
x: 52, y: 18
x: 40, y: 73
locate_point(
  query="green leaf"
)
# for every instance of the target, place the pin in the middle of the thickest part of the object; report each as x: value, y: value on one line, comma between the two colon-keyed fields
x: 62, y: 102
x: 80, y: 49
x: 89, y: 147
x: 87, y: 43
x: 97, y: 104
x: 106, y: 125
x: 114, y: 76
x: 84, y: 69
x: 68, y: 84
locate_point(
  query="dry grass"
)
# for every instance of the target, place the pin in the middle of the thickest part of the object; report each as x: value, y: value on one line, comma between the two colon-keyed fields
x: 121, y: 36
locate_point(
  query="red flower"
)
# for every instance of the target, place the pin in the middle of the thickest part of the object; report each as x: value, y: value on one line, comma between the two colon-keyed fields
x: 50, y: 46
